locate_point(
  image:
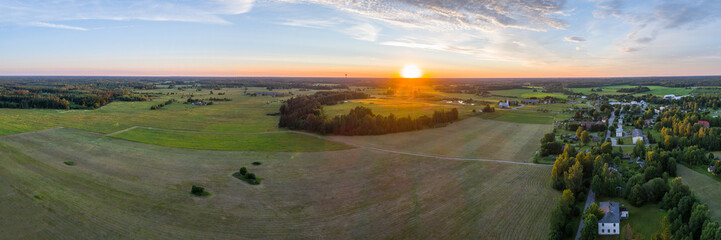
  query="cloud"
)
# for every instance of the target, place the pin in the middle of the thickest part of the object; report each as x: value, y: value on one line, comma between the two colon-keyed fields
x: 60, y: 26
x: 606, y: 8
x: 32, y: 12
x: 674, y: 14
x: 536, y: 15
x: 629, y: 49
x: 310, y: 23
x: 574, y: 39
x: 438, y: 47
x: 364, y: 31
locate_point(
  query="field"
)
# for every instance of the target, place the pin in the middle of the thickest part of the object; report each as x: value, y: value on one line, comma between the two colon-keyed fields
x: 262, y: 142
x: 122, y: 189
x: 527, y: 93
x: 398, y: 107
x: 655, y: 90
x: 470, y: 138
x: 517, y: 116
x: 706, y: 188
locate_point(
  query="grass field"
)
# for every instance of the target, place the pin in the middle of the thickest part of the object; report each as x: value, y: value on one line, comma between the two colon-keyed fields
x: 270, y: 142
x: 655, y: 90
x: 398, y: 107
x: 527, y: 93
x: 517, y: 116
x: 119, y: 189
x: 706, y: 188
x: 470, y: 138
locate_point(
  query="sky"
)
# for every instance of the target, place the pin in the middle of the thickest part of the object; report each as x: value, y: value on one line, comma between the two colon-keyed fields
x: 357, y: 38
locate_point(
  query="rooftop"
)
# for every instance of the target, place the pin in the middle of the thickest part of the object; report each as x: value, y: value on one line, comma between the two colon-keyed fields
x: 612, y: 212
x: 637, y: 133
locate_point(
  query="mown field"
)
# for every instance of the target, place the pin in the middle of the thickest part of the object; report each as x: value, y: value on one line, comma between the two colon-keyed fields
x: 121, y: 189
x: 655, y: 90
x: 706, y: 188
x: 527, y: 93
x: 398, y: 107
x: 470, y: 138
x: 517, y: 116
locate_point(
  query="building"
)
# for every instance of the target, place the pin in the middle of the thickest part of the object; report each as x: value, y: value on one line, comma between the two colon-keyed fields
x: 624, y: 212
x: 610, y: 224
x: 704, y: 124
x: 530, y: 101
x: 512, y: 103
x: 619, y: 132
x: 711, y: 168
x: 604, y: 120
x: 637, y: 135
x: 503, y: 104
x: 588, y: 124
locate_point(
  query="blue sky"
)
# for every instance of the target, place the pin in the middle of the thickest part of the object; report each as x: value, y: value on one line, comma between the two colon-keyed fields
x: 450, y: 38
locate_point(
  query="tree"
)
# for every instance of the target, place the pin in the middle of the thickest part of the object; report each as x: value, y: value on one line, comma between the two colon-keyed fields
x: 640, y: 149
x: 636, y: 196
x: 243, y: 171
x: 197, y: 190
x: 594, y: 210
x: 597, y: 186
x: 585, y: 137
x: 574, y: 177
x: 699, y: 216
x: 548, y: 137
x: 606, y: 147
x: 250, y: 176
x: 579, y: 130
x: 590, y: 227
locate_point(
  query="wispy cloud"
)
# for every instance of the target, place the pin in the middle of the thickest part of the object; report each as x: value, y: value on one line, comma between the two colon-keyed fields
x: 364, y: 31
x: 606, y: 8
x: 575, y: 39
x: 60, y: 26
x: 457, y: 14
x: 310, y: 23
x: 46, y: 13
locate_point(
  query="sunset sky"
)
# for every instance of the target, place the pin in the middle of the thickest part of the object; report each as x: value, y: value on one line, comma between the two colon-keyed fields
x: 331, y: 38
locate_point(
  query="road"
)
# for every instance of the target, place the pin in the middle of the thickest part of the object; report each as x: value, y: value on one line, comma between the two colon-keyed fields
x: 591, y: 199
x: 610, y: 123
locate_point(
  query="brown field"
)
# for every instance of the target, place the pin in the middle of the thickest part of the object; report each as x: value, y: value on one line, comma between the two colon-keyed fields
x: 122, y: 189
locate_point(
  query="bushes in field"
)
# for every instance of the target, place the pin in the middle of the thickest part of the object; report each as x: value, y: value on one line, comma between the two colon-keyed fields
x: 639, y: 89
x: 198, y: 191
x: 159, y: 106
x: 69, y: 163
x: 246, y: 176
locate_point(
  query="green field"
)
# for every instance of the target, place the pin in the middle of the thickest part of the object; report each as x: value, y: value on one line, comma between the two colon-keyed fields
x: 398, y: 107
x: 264, y: 142
x: 470, y: 138
x: 655, y: 90
x: 119, y: 189
x: 518, y: 116
x: 706, y: 188
x: 527, y: 93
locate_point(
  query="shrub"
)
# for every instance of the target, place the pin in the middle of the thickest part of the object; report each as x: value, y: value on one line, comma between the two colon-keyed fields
x: 256, y: 163
x: 250, y: 176
x: 243, y: 171
x: 69, y: 163
x: 198, y: 191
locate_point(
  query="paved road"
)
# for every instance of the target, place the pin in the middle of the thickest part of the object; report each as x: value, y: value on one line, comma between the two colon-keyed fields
x: 591, y: 199
x: 610, y: 123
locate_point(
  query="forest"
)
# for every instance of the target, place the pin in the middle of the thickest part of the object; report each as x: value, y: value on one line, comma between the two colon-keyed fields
x: 305, y: 113
x: 61, y: 94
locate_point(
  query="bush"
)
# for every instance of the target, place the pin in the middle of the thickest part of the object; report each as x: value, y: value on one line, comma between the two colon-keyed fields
x: 198, y: 191
x: 69, y: 163
x: 243, y: 171
x: 256, y: 163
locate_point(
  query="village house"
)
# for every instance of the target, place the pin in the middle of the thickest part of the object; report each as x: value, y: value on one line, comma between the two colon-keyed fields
x: 530, y: 101
x: 503, y: 104
x: 610, y: 224
x: 711, y: 169
x: 619, y: 132
x: 587, y: 124
x: 637, y: 135
x: 704, y: 124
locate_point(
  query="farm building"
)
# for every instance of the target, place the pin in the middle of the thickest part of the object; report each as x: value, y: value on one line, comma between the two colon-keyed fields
x: 611, y: 221
x: 530, y: 101
x: 637, y: 135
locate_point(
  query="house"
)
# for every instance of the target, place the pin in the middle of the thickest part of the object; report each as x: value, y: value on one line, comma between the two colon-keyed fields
x: 649, y: 122
x: 503, y: 104
x: 704, y: 124
x: 711, y: 169
x: 512, y: 103
x: 619, y: 132
x: 530, y: 101
x: 587, y: 124
x: 637, y: 135
x: 594, y: 138
x: 574, y: 138
x: 604, y: 120
x: 610, y: 224
x: 669, y: 96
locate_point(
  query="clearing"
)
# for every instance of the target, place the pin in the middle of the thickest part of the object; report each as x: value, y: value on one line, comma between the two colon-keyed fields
x: 706, y: 188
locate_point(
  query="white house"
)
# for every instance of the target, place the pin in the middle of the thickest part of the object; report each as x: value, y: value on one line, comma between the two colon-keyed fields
x: 619, y: 132
x: 637, y: 135
x: 610, y: 224
x: 504, y: 104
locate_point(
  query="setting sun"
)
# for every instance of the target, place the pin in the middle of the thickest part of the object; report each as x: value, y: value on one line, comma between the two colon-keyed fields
x: 411, y: 71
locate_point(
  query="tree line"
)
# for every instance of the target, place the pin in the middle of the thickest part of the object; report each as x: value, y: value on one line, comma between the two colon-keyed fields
x: 305, y: 113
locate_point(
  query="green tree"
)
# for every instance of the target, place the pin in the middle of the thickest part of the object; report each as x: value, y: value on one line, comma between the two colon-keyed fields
x: 579, y: 130
x: 548, y: 137
x: 699, y: 216
x: 574, y: 177
x: 640, y: 150
x: 243, y: 171
x: 606, y: 148
x: 585, y: 137
x: 597, y: 186
x: 594, y: 210
x: 590, y: 227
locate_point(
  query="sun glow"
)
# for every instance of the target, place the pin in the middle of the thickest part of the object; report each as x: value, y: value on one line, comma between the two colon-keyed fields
x: 411, y: 71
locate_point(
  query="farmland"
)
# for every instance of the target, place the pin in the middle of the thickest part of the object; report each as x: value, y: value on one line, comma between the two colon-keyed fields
x: 121, y: 189
x: 706, y: 188
x: 470, y: 138
x: 655, y: 90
